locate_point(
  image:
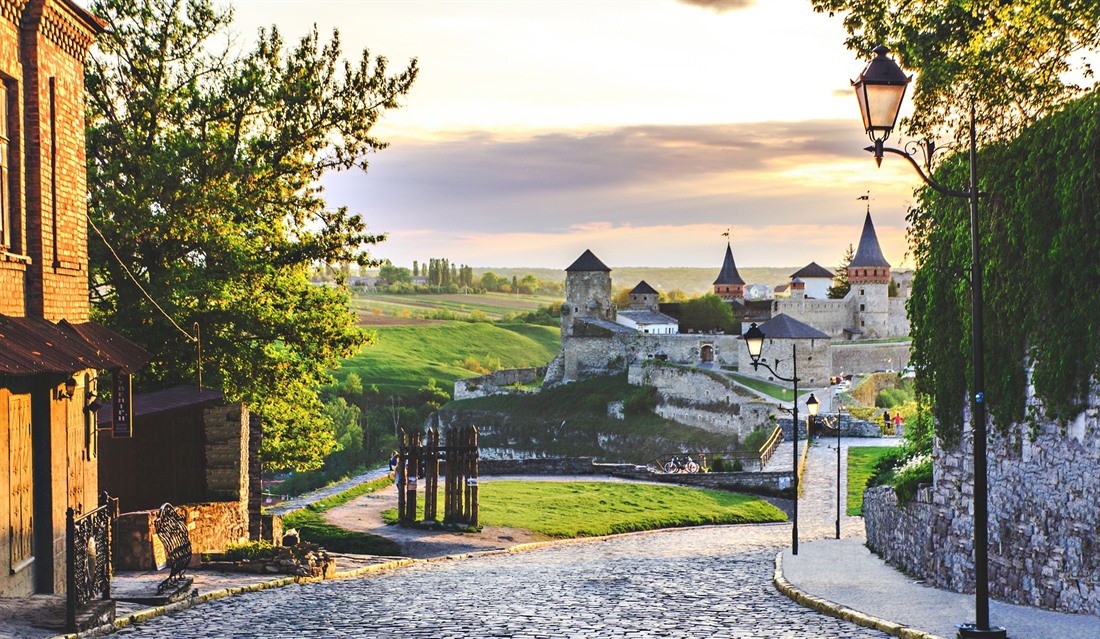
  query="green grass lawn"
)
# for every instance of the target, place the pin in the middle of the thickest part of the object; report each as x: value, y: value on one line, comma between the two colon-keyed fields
x: 861, y: 465
x: 587, y: 509
x: 405, y: 357
x: 784, y: 393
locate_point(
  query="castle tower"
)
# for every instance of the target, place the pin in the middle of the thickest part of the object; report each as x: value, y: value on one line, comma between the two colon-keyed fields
x: 798, y: 289
x: 644, y: 297
x: 729, y: 285
x: 869, y: 276
x: 587, y: 291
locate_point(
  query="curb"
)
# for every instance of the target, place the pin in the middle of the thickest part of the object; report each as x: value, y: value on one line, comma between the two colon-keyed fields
x: 832, y: 609
x: 194, y: 600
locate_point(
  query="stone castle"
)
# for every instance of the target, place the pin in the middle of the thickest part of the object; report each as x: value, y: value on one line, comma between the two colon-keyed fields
x: 599, y: 339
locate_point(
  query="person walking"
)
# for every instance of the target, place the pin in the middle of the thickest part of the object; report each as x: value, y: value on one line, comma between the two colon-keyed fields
x: 886, y: 422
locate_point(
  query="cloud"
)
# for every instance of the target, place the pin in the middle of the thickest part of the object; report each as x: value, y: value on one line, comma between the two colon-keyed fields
x: 465, y: 188
x: 720, y: 6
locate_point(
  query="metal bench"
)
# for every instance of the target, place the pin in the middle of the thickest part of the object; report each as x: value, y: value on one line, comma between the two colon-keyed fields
x: 171, y: 529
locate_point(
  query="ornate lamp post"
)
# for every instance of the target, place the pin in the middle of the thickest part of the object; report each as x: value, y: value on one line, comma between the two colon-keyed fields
x: 880, y: 90
x: 754, y: 340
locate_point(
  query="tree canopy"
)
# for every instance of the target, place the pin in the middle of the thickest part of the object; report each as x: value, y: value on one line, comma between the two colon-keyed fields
x: 203, y: 170
x: 1012, y: 58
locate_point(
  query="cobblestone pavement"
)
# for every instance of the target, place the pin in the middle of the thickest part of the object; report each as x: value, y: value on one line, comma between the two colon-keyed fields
x: 702, y: 582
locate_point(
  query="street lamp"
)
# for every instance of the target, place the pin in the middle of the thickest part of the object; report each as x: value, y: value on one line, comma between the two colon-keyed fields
x: 880, y: 89
x: 754, y: 340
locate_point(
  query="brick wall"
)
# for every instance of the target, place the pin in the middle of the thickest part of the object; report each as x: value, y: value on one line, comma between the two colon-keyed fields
x: 56, y: 178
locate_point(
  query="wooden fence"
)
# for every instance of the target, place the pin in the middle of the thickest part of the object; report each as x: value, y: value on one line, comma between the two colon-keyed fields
x: 423, y: 457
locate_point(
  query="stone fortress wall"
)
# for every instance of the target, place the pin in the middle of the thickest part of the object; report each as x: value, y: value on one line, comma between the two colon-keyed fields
x: 701, y: 398
x: 1044, y: 483
x: 857, y: 357
x: 497, y: 382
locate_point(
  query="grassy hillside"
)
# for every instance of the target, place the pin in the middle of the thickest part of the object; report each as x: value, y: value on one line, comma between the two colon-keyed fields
x: 572, y: 420
x: 405, y: 357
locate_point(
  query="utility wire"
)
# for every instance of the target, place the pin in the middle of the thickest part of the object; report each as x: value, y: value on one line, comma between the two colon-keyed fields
x: 137, y: 283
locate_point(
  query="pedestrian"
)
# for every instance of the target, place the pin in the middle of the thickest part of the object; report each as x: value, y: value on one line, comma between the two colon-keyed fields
x: 885, y: 422
x: 393, y: 461
x: 897, y: 421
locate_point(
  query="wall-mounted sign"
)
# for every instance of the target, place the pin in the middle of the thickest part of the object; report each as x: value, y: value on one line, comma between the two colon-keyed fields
x: 121, y: 398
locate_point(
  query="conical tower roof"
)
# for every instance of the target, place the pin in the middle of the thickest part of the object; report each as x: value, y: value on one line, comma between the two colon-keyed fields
x: 729, y: 274
x: 644, y: 288
x: 869, y: 253
x: 588, y: 262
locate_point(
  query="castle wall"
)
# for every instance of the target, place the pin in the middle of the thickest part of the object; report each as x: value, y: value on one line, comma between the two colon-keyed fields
x: 856, y: 357
x: 814, y: 361
x: 827, y: 316
x: 898, y: 322
x: 1043, y: 520
x: 702, y: 398
x: 584, y: 357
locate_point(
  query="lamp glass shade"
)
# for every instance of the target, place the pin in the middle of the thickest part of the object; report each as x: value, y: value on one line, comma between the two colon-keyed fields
x: 70, y: 386
x: 812, y: 405
x: 880, y: 90
x: 754, y: 339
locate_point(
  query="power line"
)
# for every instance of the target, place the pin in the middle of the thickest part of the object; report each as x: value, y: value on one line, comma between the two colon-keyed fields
x: 137, y: 283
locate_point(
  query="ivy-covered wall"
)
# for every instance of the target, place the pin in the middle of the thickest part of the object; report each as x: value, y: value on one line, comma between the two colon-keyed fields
x: 1039, y: 226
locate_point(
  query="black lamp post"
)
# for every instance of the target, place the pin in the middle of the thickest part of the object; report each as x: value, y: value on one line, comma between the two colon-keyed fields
x: 754, y: 340
x: 880, y: 90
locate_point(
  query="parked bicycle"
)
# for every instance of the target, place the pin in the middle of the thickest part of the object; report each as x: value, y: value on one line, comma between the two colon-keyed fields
x: 681, y: 465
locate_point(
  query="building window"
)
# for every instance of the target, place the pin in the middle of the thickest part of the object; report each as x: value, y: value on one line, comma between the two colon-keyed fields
x: 8, y: 223
x: 862, y: 307
x: 861, y: 291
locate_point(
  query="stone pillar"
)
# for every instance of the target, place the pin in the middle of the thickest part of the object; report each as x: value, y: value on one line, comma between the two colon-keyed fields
x: 227, y: 469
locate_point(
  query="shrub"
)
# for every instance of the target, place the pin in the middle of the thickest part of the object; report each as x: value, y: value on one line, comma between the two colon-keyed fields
x: 643, y: 400
x: 249, y: 550
x: 754, y: 440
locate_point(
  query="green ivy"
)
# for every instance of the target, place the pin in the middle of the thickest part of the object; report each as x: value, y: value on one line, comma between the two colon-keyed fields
x: 1040, y: 238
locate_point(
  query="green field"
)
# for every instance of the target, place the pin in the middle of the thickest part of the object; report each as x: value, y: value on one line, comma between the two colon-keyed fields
x: 494, y: 305
x: 405, y: 357
x: 861, y: 466
x: 588, y: 509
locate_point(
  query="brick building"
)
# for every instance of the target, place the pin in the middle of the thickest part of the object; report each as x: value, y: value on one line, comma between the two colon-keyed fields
x: 50, y: 354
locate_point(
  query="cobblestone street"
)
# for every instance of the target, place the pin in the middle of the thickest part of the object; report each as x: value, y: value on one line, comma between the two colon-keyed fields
x: 706, y: 582
x: 696, y: 582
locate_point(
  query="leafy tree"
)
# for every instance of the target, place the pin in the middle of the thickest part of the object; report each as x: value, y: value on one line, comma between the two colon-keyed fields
x: 841, y: 286
x: 706, y: 313
x: 348, y: 432
x: 394, y: 274
x: 675, y: 295
x: 1011, y: 57
x: 203, y: 169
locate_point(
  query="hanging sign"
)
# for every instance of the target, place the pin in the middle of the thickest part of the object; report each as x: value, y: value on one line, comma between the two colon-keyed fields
x: 121, y: 399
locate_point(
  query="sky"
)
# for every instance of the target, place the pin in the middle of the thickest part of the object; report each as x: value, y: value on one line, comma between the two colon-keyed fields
x: 639, y: 129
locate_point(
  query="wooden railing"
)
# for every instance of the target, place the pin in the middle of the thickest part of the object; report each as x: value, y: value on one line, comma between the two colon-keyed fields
x: 768, y: 449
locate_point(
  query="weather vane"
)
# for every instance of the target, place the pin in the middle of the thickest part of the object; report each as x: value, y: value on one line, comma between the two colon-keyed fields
x: 727, y: 233
x: 866, y: 198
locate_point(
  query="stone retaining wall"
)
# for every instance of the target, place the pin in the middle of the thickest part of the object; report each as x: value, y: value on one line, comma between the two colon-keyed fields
x: 1044, y: 524
x: 496, y: 383
x: 210, y: 526
x: 766, y: 483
